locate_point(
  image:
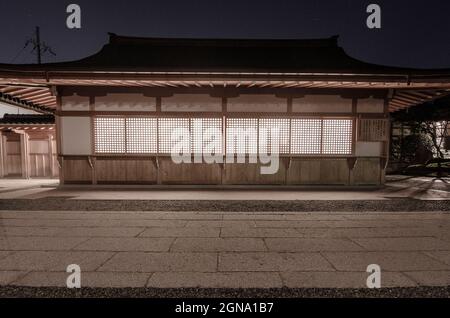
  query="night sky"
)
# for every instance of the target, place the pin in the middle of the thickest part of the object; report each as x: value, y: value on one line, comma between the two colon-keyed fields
x: 413, y: 33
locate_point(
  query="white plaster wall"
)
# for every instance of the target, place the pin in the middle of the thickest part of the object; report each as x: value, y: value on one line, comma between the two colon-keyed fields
x: 191, y: 103
x: 125, y: 102
x: 75, y: 103
x: 11, y: 109
x: 322, y: 104
x: 76, y: 135
x: 257, y: 103
x: 368, y: 149
x: 370, y: 105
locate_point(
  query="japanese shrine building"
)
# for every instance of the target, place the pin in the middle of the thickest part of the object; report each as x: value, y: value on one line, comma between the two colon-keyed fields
x: 115, y: 110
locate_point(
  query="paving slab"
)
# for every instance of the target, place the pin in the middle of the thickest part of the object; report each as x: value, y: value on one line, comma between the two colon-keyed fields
x: 72, y: 231
x: 290, y: 224
x: 342, y: 279
x: 225, y: 223
x: 125, y: 244
x: 181, y: 232
x: 216, y: 280
x: 161, y: 262
x: 442, y: 256
x: 430, y: 278
x: 88, y: 279
x: 402, y: 244
x: 389, y: 261
x: 259, y: 232
x: 270, y: 261
x: 53, y: 261
x: 31, y: 243
x: 186, y: 244
x: 7, y: 277
x: 311, y: 244
x: 100, y: 222
x: 363, y: 232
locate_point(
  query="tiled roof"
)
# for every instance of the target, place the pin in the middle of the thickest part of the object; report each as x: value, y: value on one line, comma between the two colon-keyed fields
x: 124, y: 53
x: 27, y: 119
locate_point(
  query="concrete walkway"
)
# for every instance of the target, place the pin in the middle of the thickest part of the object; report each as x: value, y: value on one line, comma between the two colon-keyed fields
x: 421, y: 188
x: 224, y: 249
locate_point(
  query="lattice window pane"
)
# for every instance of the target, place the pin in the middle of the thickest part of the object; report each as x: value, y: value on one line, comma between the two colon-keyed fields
x: 373, y: 130
x: 337, y: 136
x: 242, y: 135
x: 202, y: 130
x: 141, y: 135
x: 109, y: 134
x: 269, y: 124
x: 167, y: 127
x: 306, y: 136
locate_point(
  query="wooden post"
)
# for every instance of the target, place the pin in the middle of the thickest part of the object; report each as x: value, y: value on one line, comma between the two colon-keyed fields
x: 24, y: 154
x: 51, y: 159
x: 2, y: 156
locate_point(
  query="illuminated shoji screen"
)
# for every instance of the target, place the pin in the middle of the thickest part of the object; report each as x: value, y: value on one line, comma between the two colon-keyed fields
x: 306, y: 136
x: 109, y: 134
x: 247, y: 127
x: 141, y: 135
x: 282, y: 125
x: 166, y: 127
x: 337, y: 136
x: 302, y: 136
x: 201, y: 129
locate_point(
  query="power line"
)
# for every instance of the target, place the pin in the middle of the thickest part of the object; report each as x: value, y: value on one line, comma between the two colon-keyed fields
x: 39, y: 48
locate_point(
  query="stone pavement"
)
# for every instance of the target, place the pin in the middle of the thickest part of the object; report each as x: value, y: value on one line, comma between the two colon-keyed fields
x: 224, y: 249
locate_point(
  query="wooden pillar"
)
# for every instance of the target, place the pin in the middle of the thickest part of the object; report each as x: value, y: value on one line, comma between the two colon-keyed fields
x: 51, y: 158
x: 24, y: 155
x: 2, y: 156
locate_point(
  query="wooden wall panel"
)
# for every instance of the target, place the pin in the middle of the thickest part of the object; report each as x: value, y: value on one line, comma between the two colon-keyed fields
x: 13, y: 165
x: 244, y: 173
x: 189, y: 173
x: 77, y: 171
x: 39, y: 158
x: 367, y: 171
x: 39, y: 165
x: 334, y: 171
x: 13, y: 158
x: 318, y: 171
x: 137, y: 171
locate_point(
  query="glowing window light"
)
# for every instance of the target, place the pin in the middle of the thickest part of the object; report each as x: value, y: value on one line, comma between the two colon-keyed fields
x: 141, y: 135
x: 282, y: 125
x: 337, y: 137
x: 201, y: 128
x: 166, y: 127
x: 109, y: 134
x: 242, y: 136
x: 306, y: 136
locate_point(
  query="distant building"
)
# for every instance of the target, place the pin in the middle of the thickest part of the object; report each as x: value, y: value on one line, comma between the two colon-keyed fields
x: 28, y: 146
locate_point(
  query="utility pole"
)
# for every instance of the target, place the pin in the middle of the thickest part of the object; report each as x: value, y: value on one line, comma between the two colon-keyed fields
x: 38, y: 45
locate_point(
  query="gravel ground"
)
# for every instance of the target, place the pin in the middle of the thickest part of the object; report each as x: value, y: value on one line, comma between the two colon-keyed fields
x: 52, y: 292
x: 64, y: 204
